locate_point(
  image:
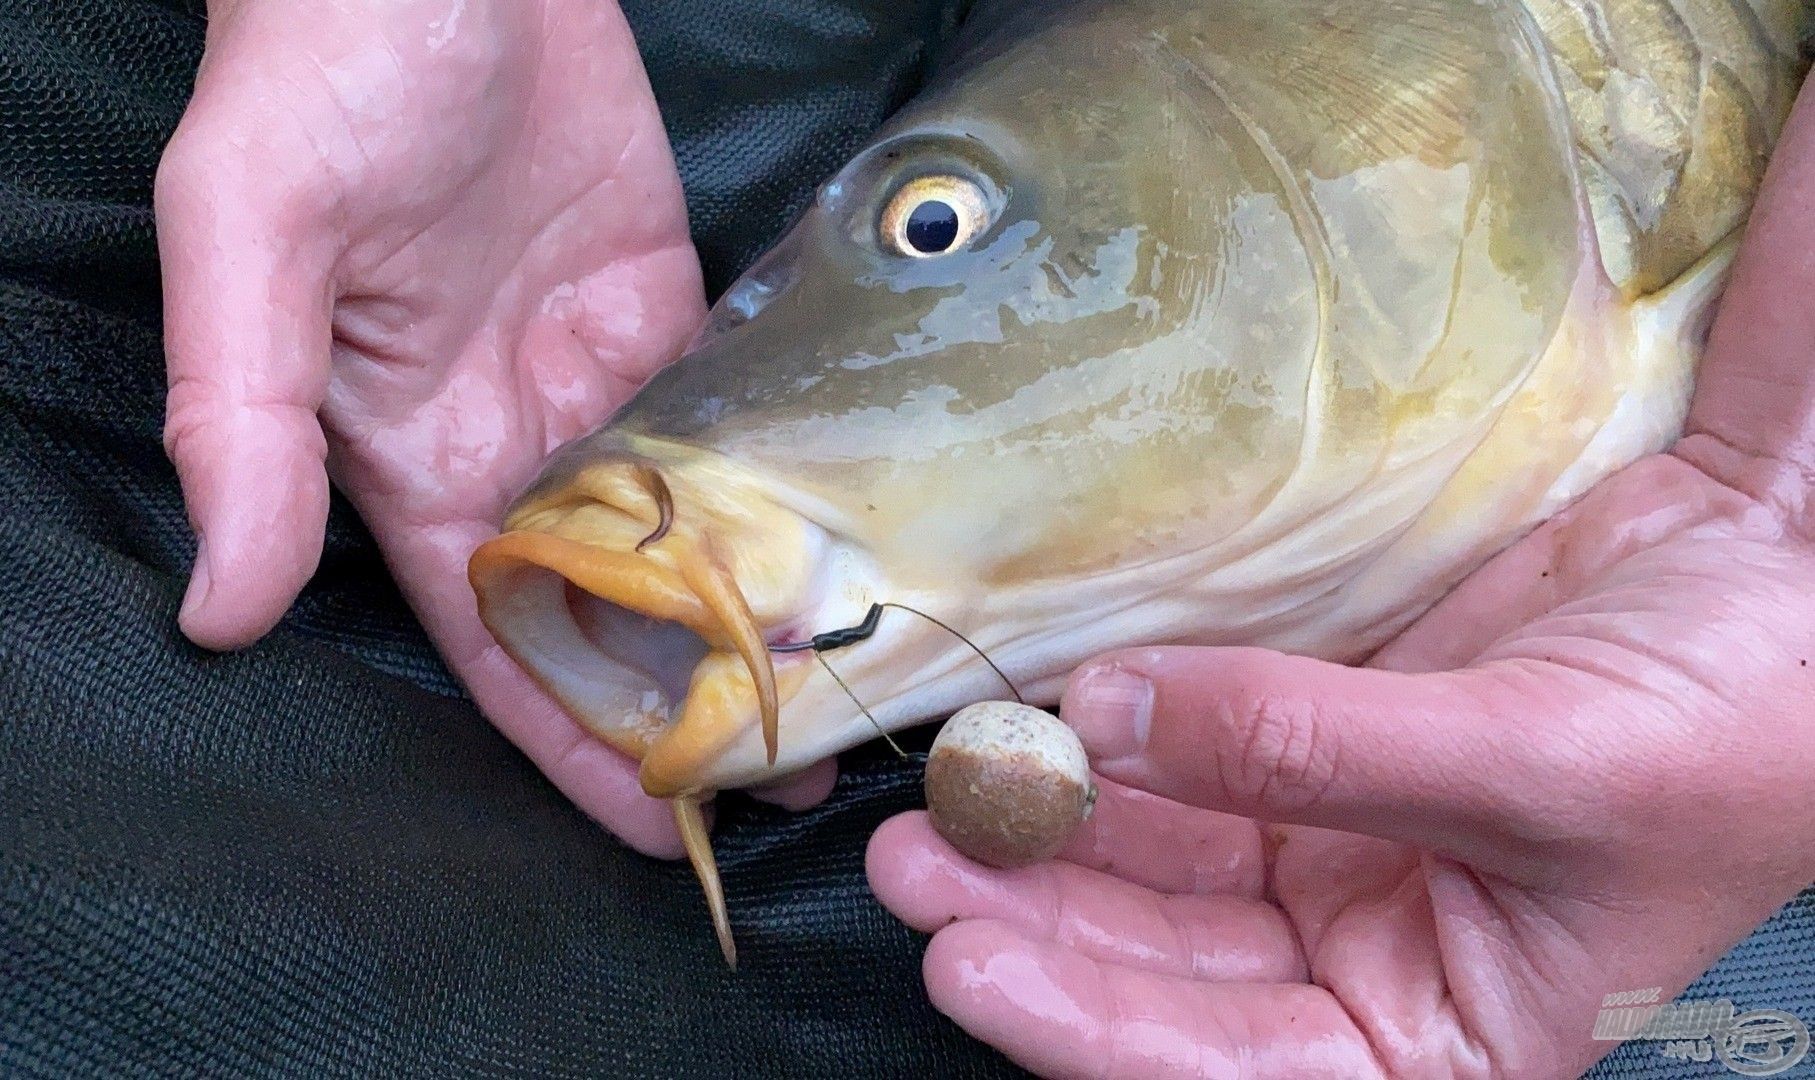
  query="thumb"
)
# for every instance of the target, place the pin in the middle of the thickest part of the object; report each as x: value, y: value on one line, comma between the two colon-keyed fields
x: 1458, y: 761
x: 246, y: 330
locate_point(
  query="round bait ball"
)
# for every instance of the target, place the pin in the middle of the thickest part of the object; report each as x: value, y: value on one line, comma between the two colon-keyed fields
x: 1007, y: 784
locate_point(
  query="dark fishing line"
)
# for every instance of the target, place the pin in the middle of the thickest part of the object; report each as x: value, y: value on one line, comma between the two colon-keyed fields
x: 1006, y: 681
x: 861, y: 707
x: 820, y: 644
x: 863, y: 631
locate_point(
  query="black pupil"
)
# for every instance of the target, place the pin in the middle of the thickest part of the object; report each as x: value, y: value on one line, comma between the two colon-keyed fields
x: 932, y: 226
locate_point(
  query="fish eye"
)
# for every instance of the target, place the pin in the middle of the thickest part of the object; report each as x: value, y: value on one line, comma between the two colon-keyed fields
x: 934, y: 215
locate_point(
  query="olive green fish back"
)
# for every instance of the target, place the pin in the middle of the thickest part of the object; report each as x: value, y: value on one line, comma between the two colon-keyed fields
x: 1676, y: 106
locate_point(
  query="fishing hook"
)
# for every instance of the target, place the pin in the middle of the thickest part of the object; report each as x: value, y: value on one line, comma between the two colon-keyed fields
x: 863, y: 631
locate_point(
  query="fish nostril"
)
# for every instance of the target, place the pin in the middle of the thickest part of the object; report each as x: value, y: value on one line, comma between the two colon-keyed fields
x: 743, y: 302
x: 748, y: 296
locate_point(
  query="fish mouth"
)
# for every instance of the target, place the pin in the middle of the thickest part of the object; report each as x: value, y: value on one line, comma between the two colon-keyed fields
x: 673, y: 603
x: 644, y: 599
x: 648, y: 615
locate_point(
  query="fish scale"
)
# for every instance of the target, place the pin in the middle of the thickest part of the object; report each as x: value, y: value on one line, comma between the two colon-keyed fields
x: 1675, y: 107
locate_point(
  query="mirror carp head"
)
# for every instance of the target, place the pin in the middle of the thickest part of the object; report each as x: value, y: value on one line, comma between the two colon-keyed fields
x: 1154, y: 321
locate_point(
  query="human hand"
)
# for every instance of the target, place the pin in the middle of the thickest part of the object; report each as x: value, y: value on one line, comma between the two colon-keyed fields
x: 422, y: 242
x: 1585, y: 771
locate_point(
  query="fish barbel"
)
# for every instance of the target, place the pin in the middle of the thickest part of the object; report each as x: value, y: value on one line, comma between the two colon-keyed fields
x: 1150, y: 321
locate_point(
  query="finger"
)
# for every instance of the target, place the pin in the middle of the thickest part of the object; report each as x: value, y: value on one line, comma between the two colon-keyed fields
x: 1168, y: 846
x: 246, y: 328
x: 1060, y: 1013
x: 598, y: 779
x: 1755, y: 392
x: 430, y: 566
x: 1437, y: 760
x: 928, y: 885
x: 805, y: 789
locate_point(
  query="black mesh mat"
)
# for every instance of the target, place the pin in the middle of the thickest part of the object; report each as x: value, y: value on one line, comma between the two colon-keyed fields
x: 314, y: 859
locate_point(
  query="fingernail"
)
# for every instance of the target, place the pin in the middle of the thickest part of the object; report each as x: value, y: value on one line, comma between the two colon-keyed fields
x: 199, y: 581
x: 1111, y: 709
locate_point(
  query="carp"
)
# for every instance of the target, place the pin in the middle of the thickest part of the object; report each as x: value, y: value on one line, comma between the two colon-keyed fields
x: 1148, y: 321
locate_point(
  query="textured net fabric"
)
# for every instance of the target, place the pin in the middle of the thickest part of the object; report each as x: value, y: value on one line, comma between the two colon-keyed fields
x: 314, y: 858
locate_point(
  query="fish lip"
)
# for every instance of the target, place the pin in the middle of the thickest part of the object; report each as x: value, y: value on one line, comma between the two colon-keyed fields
x: 521, y: 580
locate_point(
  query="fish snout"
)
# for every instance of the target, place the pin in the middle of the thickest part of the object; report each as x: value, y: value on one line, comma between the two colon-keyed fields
x: 636, y: 591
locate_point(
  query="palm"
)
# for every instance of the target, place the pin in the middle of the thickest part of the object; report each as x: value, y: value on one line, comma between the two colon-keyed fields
x: 509, y: 280
x: 464, y: 235
x: 1176, y: 941
x: 575, y: 281
x: 1614, y: 610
